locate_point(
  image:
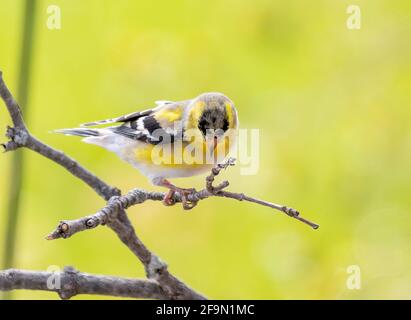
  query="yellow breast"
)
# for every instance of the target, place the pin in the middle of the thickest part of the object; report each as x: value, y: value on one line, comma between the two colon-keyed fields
x: 182, y: 154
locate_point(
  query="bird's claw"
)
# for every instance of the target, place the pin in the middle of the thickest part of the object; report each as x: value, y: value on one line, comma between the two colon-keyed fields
x: 169, y: 202
x: 187, y: 204
x: 184, y: 193
x: 169, y: 199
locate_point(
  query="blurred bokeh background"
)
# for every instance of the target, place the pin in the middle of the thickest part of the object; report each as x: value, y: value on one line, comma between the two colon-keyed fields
x: 333, y: 106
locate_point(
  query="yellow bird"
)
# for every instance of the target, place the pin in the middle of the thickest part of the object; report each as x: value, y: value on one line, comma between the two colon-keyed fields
x: 174, y: 139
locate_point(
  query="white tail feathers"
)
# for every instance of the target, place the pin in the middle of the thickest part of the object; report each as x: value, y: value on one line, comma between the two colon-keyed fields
x: 81, y: 132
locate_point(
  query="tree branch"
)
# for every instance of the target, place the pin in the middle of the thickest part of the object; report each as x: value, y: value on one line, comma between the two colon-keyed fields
x: 20, y: 137
x: 11, y: 104
x: 71, y: 282
x: 67, y: 228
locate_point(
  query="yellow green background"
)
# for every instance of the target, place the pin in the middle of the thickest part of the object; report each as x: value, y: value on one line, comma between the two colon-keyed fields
x: 332, y: 104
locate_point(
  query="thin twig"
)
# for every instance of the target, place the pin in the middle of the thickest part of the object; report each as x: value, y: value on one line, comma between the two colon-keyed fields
x: 219, y: 192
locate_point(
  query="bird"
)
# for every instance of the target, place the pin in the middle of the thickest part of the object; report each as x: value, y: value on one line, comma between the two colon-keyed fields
x: 172, y: 140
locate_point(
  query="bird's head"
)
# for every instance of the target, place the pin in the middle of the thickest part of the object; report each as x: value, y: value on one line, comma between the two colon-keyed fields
x: 213, y: 118
x: 212, y: 114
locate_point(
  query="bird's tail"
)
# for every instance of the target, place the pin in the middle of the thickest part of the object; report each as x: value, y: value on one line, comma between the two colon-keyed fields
x: 81, y: 132
x: 100, y: 137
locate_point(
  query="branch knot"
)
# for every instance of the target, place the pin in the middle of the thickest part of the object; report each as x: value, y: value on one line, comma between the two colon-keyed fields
x: 69, y: 286
x: 18, y: 138
x: 155, y: 267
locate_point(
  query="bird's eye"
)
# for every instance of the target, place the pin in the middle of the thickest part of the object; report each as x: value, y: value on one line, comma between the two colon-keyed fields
x: 202, y: 124
x: 225, y: 125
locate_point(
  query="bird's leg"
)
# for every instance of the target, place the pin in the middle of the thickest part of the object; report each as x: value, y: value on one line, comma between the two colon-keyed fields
x: 168, y: 199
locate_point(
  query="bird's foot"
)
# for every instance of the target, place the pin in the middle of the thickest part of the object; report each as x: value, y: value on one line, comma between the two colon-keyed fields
x: 169, y: 198
x: 185, y: 193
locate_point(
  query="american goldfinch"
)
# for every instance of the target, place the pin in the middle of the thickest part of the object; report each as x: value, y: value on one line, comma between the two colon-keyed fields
x: 174, y: 139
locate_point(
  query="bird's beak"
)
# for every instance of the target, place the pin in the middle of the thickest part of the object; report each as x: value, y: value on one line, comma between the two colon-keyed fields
x: 212, y: 143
